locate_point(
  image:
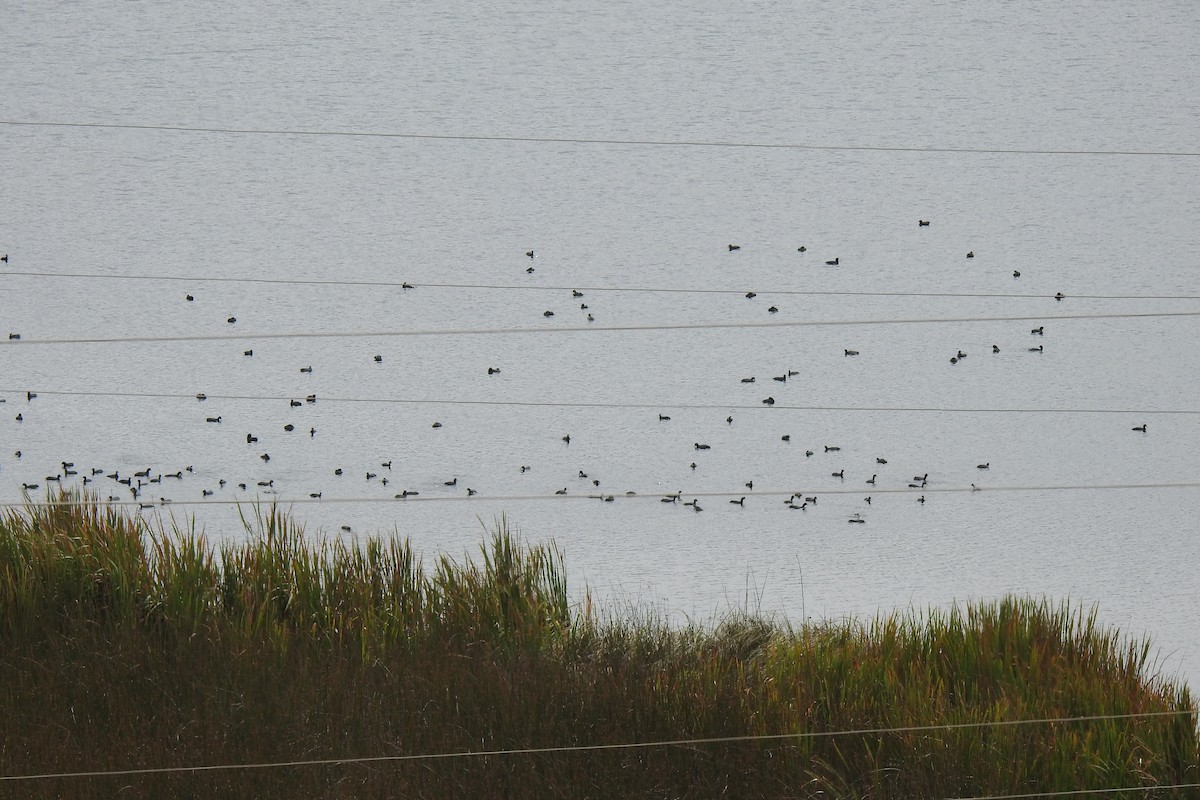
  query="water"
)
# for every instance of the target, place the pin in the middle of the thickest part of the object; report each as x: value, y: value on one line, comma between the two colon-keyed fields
x: 606, y: 218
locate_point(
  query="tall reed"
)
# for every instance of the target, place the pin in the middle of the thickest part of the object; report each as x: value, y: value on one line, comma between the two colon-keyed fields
x: 126, y: 647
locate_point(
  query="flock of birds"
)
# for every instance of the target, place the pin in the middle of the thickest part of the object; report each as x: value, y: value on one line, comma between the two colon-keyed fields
x: 147, y: 486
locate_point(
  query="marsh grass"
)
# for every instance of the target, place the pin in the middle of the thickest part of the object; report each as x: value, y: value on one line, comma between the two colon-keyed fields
x: 124, y: 647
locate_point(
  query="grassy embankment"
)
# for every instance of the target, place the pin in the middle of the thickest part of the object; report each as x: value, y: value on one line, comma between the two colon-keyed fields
x: 124, y: 648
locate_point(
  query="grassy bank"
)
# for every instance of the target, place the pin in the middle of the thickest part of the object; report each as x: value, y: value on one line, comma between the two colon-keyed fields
x: 123, y: 648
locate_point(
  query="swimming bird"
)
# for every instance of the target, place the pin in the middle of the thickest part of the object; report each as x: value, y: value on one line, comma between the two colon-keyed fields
x: 206, y: 492
x: 378, y: 359
x: 974, y: 488
x: 337, y: 471
x: 747, y: 380
x: 832, y: 449
x: 787, y: 437
x: 808, y: 453
x: 1140, y: 429
x: 524, y: 470
x: 306, y: 369
x: 801, y: 249
x: 231, y: 320
x: 750, y: 484
x: 953, y: 359
x: 406, y: 285
x: 741, y: 502
x: 851, y: 352
x: 582, y: 474
x: 547, y: 313
x: 921, y: 478
x: 251, y: 438
x: 576, y: 293
x: 1016, y: 274
x: 315, y: 495
x: 770, y: 401
x: 693, y: 465
x: 1038, y: 330
x: 591, y: 318
x: 970, y: 254
x: 453, y: 482
x: 437, y: 424
x: 202, y: 397
x: 190, y: 298
x: 812, y: 500
x: 265, y: 457
x: 14, y: 336
x: 212, y: 419
x: 312, y: 432
x: 921, y: 499
x: 729, y: 419
x: 663, y: 418
x: 881, y: 461
x: 1037, y: 349
x: 493, y: 370
x: 289, y: 427
x: 1059, y: 296
x: 529, y: 253
x: 733, y: 247
x: 562, y: 491
x: 371, y: 475
x: 922, y: 223
x: 983, y: 466
x: 995, y: 348
x: 567, y: 438
x: 294, y: 403
x: 841, y: 473
x: 872, y: 481
x: 833, y: 263
x: 856, y: 518
x: 470, y: 492
x: 773, y: 310
x: 312, y: 398
x: 751, y: 295
x: 868, y: 499
x: 780, y: 378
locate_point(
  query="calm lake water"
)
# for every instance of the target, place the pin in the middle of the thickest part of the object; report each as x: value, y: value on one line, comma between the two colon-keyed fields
x: 1075, y: 505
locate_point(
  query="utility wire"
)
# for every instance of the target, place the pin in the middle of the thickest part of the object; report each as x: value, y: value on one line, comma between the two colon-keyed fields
x: 590, y: 495
x: 590, y: 140
x: 666, y: 406
x: 1078, y: 792
x: 578, y: 329
x: 622, y: 289
x: 584, y: 748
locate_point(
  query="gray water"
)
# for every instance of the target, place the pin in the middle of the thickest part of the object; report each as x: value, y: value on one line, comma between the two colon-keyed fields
x: 605, y: 219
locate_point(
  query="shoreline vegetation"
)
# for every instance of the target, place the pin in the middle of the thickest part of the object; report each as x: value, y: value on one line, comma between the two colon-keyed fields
x: 128, y: 648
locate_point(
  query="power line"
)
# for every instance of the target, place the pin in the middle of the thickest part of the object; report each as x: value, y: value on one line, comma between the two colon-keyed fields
x: 402, y: 498
x: 1078, y: 792
x: 579, y: 329
x: 627, y: 406
x: 621, y: 289
x: 584, y: 748
x: 591, y: 140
